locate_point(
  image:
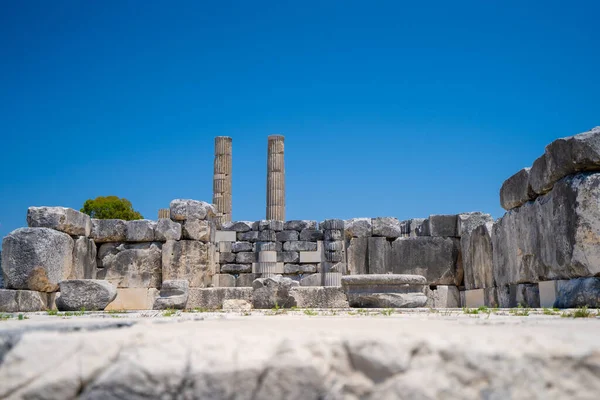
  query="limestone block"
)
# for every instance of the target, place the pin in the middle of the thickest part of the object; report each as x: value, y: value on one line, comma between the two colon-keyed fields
x: 226, y: 258
x: 22, y: 301
x: 478, y: 258
x: 288, y: 257
x: 358, y: 227
x: 267, y: 246
x: 474, y: 298
x: 553, y: 237
x: 311, y: 256
x: 62, y: 219
x: 267, y: 236
x: 36, y: 259
x: 273, y: 291
x: 237, y: 226
x: 88, y: 294
x: 311, y: 235
x: 141, y: 230
x: 173, y: 295
x: 334, y: 256
x: 267, y: 256
x: 358, y: 256
x: 223, y: 280
x: 319, y: 297
x: 300, y: 245
x: 246, y: 257
x: 286, y: 236
x: 132, y: 265
x: 236, y: 305
x: 578, y: 293
x: 516, y: 190
x: 245, y: 280
x: 237, y: 247
x: 526, y: 295
x: 312, y: 280
x: 84, y: 259
x: 228, y: 236
x: 236, y: 268
x: 380, y: 251
x: 385, y: 290
x: 563, y: 157
x: 386, y: 227
x: 213, y: 298
x: 443, y: 225
x: 133, y: 299
x: 332, y: 224
x: 333, y: 235
x: 184, y: 209
x: 436, y: 258
x: 443, y: 296
x: 299, y: 268
x: 269, y: 225
x: 490, y: 297
x: 195, y: 229
x: 300, y: 225
x: 167, y: 230
x: 420, y: 227
x: 190, y: 260
x: 108, y: 230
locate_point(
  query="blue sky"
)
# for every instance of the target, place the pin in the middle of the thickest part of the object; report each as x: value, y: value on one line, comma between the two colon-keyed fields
x: 390, y: 108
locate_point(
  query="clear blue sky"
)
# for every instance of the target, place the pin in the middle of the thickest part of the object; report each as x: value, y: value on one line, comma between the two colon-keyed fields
x: 392, y: 108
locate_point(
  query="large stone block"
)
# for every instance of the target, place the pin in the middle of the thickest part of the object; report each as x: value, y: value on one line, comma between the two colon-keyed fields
x: 246, y: 257
x: 184, y: 209
x: 380, y: 251
x: 564, y: 157
x: 358, y: 255
x: 516, y: 190
x: 478, y: 258
x: 311, y: 235
x: 288, y: 257
x: 87, y: 294
x: 467, y: 222
x: 237, y: 226
x: 223, y: 280
x: 387, y: 227
x: 300, y: 246
x: 358, y: 227
x: 36, y: 259
x: 212, y: 298
x: 237, y: 247
x: 286, y: 236
x: 188, y: 259
x: 554, y: 237
x: 435, y: 258
x: 578, y: 293
x: 245, y: 280
x: 108, y: 230
x: 319, y: 297
x: 443, y: 225
x: 62, y: 219
x: 525, y: 295
x: 268, y: 225
x: 196, y: 229
x: 173, y: 295
x: 443, y: 296
x: 385, y: 290
x: 128, y: 265
x: 133, y: 299
x: 236, y: 268
x: 273, y: 291
x: 332, y: 224
x: 299, y: 225
x: 84, y: 259
x: 22, y: 300
x: 141, y: 230
x: 167, y: 229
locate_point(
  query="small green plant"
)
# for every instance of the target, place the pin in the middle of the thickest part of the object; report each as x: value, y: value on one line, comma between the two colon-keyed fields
x: 520, y: 311
x: 169, y: 312
x: 52, y: 312
x: 362, y: 311
x: 310, y: 312
x: 4, y: 317
x: 387, y: 312
x: 22, y: 317
x: 548, y: 311
x: 582, y: 312
x: 80, y: 312
x: 352, y: 313
x: 117, y: 311
x: 471, y: 311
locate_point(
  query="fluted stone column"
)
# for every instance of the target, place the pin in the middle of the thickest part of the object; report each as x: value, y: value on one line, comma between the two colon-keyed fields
x: 222, y: 179
x: 164, y: 213
x: 275, y: 179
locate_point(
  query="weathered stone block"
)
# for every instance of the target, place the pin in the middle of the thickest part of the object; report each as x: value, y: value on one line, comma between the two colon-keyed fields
x: 108, y: 230
x: 213, y: 298
x: 236, y: 305
x: 312, y: 280
x: 226, y: 258
x: 386, y: 227
x: 84, y: 259
x: 436, y: 258
x: 286, y: 236
x: 272, y: 292
x: 333, y: 235
x: 62, y: 219
x: 88, y: 294
x: 245, y: 280
x: 288, y: 257
x: 246, y: 258
x: 188, y: 259
x: 311, y: 235
x: 267, y: 246
x: 328, y: 266
x: 36, y: 259
x: 223, y: 280
x: 385, y: 290
x: 299, y: 225
x: 141, y: 230
x: 420, y: 227
x: 478, y: 258
x: 299, y: 269
x: 236, y: 268
x: 443, y: 296
x: 269, y: 225
x: 184, y: 209
x: 22, y: 301
x: 443, y: 225
x: 358, y: 227
x: 380, y: 251
x: 133, y: 299
x: 167, y: 230
x: 237, y: 226
x: 578, y: 292
x: 237, y: 247
x: 516, y: 190
x: 132, y: 265
x: 526, y: 295
x: 195, y: 229
x: 332, y: 224
x: 267, y: 236
x: 334, y: 256
x: 319, y: 297
x: 300, y: 245
x: 173, y: 295
x: 358, y: 256
x: 334, y: 246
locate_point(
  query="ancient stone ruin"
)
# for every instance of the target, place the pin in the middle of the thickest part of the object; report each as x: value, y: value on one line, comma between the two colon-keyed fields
x: 544, y: 251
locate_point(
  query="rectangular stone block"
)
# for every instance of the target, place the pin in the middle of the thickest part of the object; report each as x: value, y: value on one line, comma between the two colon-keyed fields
x: 311, y: 235
x: 288, y: 256
x: 133, y: 265
x: 474, y: 298
x: 443, y: 225
x: 225, y: 236
x: 238, y: 247
x: 313, y: 256
x: 236, y: 268
x: 286, y: 236
x: 443, y: 297
x: 212, y: 298
x: 267, y: 256
x: 245, y: 280
x: 245, y: 257
x: 226, y: 258
x: 226, y: 247
x: 223, y: 280
x: 134, y: 299
x: 526, y: 295
x: 358, y: 256
x: 379, y: 255
x: 312, y: 280
x: 267, y: 268
x: 22, y: 300
x: 578, y: 292
x: 190, y: 260
x: 300, y: 245
x: 319, y: 297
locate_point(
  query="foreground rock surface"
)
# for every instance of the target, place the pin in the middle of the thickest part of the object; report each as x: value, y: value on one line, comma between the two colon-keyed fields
x: 88, y: 294
x: 288, y: 357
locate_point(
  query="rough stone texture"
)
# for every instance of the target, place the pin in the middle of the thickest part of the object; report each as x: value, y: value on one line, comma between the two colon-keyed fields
x: 141, y: 230
x: 554, y: 237
x: 267, y: 246
x: 167, y: 230
x: 312, y: 280
x: 380, y: 251
x: 578, y: 293
x: 436, y: 258
x: 184, y: 209
x: 188, y: 259
x: 62, y: 219
x: 443, y: 296
x: 223, y: 280
x: 358, y: 256
x: 288, y: 256
x: 358, y: 227
x: 443, y: 225
x: 273, y: 291
x: 237, y: 247
x: 246, y: 258
x: 341, y: 267
x: 236, y: 268
x: 516, y: 190
x: 173, y: 294
x: 285, y: 236
x: 319, y: 297
x: 237, y: 226
x: 236, y: 305
x: 478, y: 258
x: 84, y: 259
x: 245, y: 280
x: 333, y: 235
x: 250, y: 236
x: 22, y: 301
x: 387, y: 300
x: 526, y: 295
x: 88, y: 294
x: 311, y: 235
x: 300, y: 225
x: 385, y: 290
x: 108, y: 230
x: 36, y: 259
x: 564, y: 157
x: 467, y: 222
x: 299, y: 269
x: 267, y: 236
x: 333, y: 256
x: 131, y: 265
x: 268, y: 225
x: 420, y: 227
x: 213, y: 298
x: 386, y: 227
x: 334, y: 246
x: 226, y: 258
x: 300, y: 246
x: 195, y: 229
